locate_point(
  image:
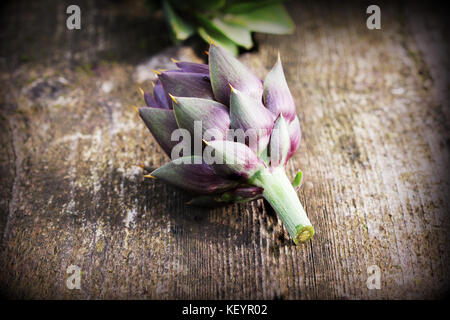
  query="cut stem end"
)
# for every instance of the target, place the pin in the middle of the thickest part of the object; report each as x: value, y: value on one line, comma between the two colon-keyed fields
x: 304, y: 233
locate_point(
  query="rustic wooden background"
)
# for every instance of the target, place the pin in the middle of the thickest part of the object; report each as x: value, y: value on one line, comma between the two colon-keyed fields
x: 375, y: 155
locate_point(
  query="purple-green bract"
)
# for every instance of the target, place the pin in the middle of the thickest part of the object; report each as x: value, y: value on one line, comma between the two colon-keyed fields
x: 225, y: 96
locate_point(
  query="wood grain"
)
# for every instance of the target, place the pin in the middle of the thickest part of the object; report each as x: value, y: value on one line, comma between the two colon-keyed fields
x: 374, y: 111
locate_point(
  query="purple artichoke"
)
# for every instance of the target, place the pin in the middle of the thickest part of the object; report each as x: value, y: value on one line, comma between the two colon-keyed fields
x: 229, y: 135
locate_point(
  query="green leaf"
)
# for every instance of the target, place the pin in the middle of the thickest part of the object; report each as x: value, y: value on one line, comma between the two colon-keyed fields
x: 197, y: 5
x: 297, y: 180
x: 244, y: 7
x: 210, y: 4
x: 181, y: 29
x: 219, y: 38
x: 235, y: 32
x: 272, y: 19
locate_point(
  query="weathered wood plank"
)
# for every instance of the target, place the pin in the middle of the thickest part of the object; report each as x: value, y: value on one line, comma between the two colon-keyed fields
x: 375, y: 151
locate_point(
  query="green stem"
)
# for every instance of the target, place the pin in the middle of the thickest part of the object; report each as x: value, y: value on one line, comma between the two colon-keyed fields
x: 281, y: 195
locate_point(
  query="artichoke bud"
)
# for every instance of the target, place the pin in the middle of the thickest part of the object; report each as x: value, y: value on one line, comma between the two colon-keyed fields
x: 240, y: 132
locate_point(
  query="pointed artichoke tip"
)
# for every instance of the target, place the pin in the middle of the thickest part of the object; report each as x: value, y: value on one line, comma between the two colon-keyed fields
x: 207, y: 52
x: 153, y: 84
x: 135, y: 108
x: 173, y: 98
x: 231, y: 87
x: 211, y: 41
x: 157, y: 72
x: 174, y: 60
x: 140, y: 165
x: 205, y: 142
x: 149, y: 176
x: 141, y: 91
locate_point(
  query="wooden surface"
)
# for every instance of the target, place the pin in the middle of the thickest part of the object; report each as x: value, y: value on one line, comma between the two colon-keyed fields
x: 374, y: 110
